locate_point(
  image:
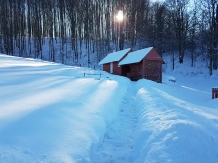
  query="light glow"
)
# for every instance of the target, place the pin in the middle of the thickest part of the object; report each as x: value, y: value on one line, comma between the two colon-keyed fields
x: 120, y: 15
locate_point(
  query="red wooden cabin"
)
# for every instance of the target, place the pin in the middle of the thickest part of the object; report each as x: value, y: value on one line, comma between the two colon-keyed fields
x: 110, y: 62
x: 145, y: 63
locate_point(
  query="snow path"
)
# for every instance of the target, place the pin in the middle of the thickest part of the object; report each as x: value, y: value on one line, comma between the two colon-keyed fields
x: 117, y: 145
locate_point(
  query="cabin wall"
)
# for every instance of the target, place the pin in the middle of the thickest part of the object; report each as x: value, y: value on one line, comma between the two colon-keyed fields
x: 153, y: 55
x: 153, y: 70
x: 135, y: 71
x: 116, y: 69
x: 106, y: 67
x: 148, y: 69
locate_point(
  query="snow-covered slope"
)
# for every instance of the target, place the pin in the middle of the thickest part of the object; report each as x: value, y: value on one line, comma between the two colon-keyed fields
x: 175, y: 124
x: 51, y: 113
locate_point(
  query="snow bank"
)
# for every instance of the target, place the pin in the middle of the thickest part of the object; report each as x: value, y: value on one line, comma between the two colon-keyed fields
x: 169, y: 130
x: 50, y: 113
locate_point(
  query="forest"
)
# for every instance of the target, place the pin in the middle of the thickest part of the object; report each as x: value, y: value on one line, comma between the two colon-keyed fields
x: 60, y: 30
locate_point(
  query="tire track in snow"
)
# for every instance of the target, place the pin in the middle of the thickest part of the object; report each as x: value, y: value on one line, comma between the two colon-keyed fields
x: 117, y: 146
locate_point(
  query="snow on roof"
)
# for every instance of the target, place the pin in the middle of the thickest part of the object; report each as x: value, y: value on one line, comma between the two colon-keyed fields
x: 115, y: 56
x: 136, y: 56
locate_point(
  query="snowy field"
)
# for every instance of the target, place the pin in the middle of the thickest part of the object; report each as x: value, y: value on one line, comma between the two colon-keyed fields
x: 51, y: 113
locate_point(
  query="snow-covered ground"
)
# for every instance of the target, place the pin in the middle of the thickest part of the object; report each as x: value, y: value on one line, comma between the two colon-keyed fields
x: 51, y: 113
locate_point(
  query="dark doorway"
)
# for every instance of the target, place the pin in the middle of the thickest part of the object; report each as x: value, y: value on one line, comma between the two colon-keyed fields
x: 125, y: 70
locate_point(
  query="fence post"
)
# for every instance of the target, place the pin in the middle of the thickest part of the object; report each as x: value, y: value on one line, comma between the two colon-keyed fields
x: 84, y: 74
x: 100, y: 75
x: 214, y: 93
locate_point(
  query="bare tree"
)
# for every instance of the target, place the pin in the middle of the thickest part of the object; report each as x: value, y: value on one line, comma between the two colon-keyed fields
x: 180, y: 17
x: 210, y: 15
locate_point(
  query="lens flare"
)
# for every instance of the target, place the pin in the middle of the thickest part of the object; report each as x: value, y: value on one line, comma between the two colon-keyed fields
x: 120, y: 15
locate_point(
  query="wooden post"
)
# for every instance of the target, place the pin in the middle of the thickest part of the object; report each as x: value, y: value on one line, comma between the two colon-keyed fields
x: 214, y: 93
x: 84, y: 74
x: 143, y: 68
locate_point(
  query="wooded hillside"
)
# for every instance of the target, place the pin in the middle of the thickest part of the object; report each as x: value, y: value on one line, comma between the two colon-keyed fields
x: 175, y: 27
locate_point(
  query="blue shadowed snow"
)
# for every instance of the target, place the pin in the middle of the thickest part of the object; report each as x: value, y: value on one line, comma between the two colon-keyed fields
x: 51, y: 113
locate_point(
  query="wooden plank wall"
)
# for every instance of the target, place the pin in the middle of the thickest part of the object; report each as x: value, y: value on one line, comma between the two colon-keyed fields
x: 116, y: 69
x: 153, y: 70
x: 106, y: 67
x: 136, y: 71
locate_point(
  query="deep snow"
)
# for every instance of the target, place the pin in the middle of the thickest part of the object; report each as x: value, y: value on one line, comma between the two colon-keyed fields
x: 51, y: 113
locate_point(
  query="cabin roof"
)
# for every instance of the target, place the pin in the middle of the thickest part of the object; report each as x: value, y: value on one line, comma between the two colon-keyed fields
x: 114, y: 57
x: 136, y: 56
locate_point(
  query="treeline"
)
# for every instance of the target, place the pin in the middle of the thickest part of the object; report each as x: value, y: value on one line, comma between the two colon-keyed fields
x: 63, y: 30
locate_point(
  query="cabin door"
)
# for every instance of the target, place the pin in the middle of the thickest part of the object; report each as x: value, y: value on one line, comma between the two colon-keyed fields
x: 111, y: 67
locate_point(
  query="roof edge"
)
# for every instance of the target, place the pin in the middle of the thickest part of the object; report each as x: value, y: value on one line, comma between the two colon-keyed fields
x: 105, y: 62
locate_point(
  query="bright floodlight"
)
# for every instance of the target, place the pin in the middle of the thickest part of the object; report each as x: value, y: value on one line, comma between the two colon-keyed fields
x: 120, y: 15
